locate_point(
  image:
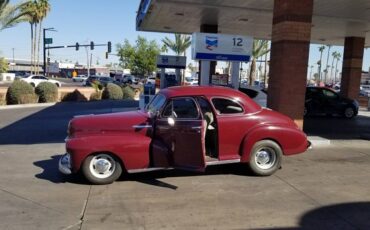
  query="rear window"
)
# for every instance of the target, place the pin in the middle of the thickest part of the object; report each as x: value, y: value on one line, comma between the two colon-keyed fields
x: 226, y: 106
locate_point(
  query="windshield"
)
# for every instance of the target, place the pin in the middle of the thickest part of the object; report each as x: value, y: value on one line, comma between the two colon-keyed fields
x: 155, y: 105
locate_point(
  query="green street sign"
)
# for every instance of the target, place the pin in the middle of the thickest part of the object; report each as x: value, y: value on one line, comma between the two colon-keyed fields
x: 48, y: 41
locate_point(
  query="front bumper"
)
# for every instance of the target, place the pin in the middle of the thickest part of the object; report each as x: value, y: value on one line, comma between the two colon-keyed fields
x: 65, y: 164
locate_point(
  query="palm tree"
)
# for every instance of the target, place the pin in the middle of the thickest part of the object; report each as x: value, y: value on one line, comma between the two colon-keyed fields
x: 337, y: 58
x: 42, y: 11
x: 321, y: 49
x: 332, y: 63
x: 30, y: 15
x: 260, y: 48
x: 10, y: 14
x: 179, y: 45
x: 327, y: 63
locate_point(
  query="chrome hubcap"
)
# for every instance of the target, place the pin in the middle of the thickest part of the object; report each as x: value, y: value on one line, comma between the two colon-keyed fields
x: 102, y: 166
x: 265, y: 158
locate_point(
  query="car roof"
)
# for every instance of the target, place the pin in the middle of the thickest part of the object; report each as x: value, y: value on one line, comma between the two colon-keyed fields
x: 221, y: 91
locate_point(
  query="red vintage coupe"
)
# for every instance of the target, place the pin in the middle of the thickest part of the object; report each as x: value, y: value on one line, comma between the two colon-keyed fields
x: 182, y: 127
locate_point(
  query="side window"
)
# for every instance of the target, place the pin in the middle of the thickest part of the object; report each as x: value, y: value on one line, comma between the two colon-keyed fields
x: 226, y: 106
x: 35, y: 77
x: 329, y: 94
x: 181, y: 108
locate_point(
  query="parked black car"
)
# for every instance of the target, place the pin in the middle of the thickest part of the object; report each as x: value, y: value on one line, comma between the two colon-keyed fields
x: 321, y: 100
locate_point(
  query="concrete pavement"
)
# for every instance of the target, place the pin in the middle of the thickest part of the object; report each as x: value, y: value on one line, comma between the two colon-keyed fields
x: 324, y: 188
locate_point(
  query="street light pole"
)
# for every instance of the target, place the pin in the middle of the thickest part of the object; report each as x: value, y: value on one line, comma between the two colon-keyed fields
x: 44, y: 47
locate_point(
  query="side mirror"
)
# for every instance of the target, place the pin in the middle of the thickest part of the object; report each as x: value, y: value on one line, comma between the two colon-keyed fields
x: 171, y: 121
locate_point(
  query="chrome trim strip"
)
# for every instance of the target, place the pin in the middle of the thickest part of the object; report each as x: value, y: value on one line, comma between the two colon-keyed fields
x: 222, y: 162
x: 141, y: 126
x: 147, y: 170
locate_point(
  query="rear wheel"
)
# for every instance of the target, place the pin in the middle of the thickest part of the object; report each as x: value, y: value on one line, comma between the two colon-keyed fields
x: 349, y: 112
x: 266, y: 157
x: 33, y: 84
x: 101, y: 168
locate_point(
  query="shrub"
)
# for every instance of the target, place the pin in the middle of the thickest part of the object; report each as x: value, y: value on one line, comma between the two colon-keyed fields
x: 47, y: 91
x: 128, y: 92
x: 74, y: 96
x: 112, y: 92
x: 20, y: 92
x: 2, y: 99
x: 96, y: 96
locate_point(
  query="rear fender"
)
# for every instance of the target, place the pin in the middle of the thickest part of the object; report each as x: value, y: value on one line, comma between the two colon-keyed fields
x: 133, y: 151
x: 291, y: 139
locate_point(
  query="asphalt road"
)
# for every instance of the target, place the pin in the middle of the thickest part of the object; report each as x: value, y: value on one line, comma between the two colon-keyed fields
x: 324, y: 188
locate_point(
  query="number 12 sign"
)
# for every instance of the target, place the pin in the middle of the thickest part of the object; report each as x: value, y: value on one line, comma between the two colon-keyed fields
x: 221, y: 47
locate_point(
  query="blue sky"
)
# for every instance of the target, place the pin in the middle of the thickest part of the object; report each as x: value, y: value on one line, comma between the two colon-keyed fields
x: 98, y: 21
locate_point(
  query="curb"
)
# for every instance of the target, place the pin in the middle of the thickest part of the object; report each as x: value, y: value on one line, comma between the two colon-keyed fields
x: 317, y: 141
x: 36, y: 105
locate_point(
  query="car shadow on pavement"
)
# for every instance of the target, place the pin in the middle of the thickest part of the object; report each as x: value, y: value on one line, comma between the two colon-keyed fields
x: 332, y: 127
x: 354, y: 215
x: 152, y: 178
x: 51, y: 173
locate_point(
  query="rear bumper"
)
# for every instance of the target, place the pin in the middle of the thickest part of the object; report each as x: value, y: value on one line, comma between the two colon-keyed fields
x: 65, y: 164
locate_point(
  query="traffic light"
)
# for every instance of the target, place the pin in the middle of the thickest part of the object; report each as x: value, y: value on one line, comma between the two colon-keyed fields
x: 91, y: 45
x: 109, y: 47
x: 48, y: 61
x: 106, y: 55
x: 77, y: 46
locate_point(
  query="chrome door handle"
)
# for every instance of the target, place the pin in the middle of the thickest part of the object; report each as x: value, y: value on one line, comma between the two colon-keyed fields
x: 196, y: 127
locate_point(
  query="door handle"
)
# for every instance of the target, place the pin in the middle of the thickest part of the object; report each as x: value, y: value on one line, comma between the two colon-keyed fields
x: 197, y: 129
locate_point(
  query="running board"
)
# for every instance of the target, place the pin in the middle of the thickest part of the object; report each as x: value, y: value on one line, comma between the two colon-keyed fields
x: 209, y: 163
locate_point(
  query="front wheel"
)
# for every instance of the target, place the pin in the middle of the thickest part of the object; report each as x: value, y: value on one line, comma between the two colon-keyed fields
x: 101, y: 168
x: 266, y: 157
x: 349, y: 112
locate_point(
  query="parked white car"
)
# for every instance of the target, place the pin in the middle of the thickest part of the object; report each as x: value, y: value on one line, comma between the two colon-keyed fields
x: 79, y: 78
x: 35, y: 80
x: 191, y: 81
x: 150, y: 80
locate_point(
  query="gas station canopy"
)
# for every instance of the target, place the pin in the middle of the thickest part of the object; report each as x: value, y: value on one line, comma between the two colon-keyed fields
x: 332, y: 21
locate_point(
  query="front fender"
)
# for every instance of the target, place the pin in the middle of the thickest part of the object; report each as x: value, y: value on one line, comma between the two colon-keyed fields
x: 291, y: 139
x: 132, y: 150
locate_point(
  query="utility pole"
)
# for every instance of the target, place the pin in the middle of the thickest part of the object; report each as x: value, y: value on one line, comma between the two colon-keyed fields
x: 13, y: 55
x: 87, y: 62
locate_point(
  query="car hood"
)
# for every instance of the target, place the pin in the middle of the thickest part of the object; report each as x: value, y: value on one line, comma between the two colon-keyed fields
x: 109, y: 123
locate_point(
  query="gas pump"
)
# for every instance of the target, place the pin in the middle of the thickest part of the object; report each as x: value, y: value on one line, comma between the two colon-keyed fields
x: 170, y: 62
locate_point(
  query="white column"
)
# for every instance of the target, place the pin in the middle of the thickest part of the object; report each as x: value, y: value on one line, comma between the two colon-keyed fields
x: 163, y: 79
x: 204, y: 74
x: 235, y: 70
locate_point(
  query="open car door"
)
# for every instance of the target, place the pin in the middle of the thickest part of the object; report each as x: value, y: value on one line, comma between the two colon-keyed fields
x: 178, y: 139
